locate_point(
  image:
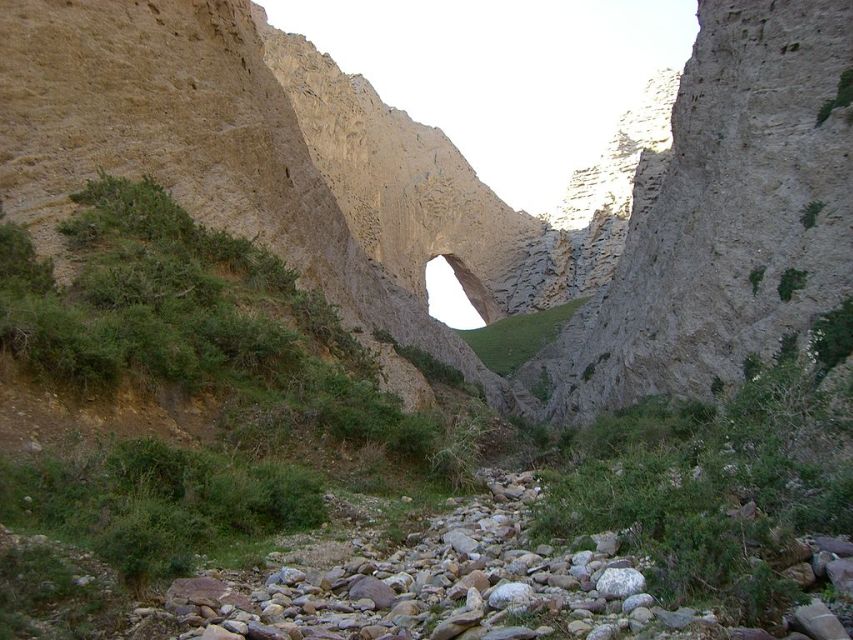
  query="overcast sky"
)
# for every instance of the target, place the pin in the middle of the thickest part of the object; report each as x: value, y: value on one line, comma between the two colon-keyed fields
x: 528, y: 91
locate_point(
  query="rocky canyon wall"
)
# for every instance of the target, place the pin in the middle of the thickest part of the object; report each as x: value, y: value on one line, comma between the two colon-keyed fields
x: 747, y: 159
x: 180, y: 90
x: 407, y: 193
x: 582, y: 244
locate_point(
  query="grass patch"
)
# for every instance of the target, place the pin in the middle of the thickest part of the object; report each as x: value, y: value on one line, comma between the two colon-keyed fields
x: 508, y: 343
x: 833, y: 337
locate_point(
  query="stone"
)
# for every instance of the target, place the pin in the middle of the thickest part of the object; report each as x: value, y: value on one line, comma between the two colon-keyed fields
x: 838, y: 546
x: 512, y: 595
x: 637, y: 600
x: 235, y: 626
x: 460, y: 541
x: 801, y: 573
x: 510, y: 633
x: 372, y: 632
x: 620, y: 583
x: 404, y: 608
x: 286, y: 575
x: 569, y: 583
x: 642, y: 615
x: 582, y: 558
x: 475, y: 578
x: 579, y: 627
x: 455, y: 625
x: 372, y: 589
x: 840, y: 573
x: 204, y: 591
x: 675, y: 619
x: 602, y: 632
x: 474, y: 601
x: 819, y: 622
x: 607, y: 543
x: 215, y: 632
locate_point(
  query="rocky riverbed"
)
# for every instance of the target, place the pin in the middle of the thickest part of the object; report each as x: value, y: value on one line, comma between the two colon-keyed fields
x: 471, y: 574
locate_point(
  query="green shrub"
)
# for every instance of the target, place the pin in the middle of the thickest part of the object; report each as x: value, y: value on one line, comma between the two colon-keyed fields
x: 20, y: 270
x: 588, y: 372
x: 788, y: 351
x: 460, y: 454
x: 151, y: 466
x: 717, y: 386
x: 809, y: 213
x: 792, y: 280
x: 824, y: 112
x: 833, y: 336
x: 755, y: 278
x: 59, y: 342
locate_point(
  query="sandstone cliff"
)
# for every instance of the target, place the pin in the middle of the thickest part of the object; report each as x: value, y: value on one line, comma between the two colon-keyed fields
x: 180, y: 90
x: 746, y: 160
x: 580, y: 249
x: 407, y: 193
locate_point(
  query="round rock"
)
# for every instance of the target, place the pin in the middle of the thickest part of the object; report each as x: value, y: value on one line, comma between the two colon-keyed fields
x: 620, y: 583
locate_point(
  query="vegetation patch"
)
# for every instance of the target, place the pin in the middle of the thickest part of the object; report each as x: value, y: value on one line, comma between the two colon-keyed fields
x: 843, y: 97
x: 833, y: 337
x: 147, y: 507
x: 792, y: 280
x: 673, y: 477
x: 755, y: 278
x: 508, y: 343
x: 808, y: 215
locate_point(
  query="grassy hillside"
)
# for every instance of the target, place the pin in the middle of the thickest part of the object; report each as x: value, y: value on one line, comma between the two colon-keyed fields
x: 507, y: 344
x: 160, y: 302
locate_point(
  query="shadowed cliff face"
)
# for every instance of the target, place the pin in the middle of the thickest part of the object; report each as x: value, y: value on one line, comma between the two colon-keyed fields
x: 180, y: 90
x: 405, y: 190
x: 746, y: 160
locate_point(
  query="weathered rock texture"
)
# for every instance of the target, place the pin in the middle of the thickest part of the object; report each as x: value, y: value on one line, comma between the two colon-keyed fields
x: 180, y: 90
x: 582, y: 245
x: 407, y: 193
x: 746, y: 159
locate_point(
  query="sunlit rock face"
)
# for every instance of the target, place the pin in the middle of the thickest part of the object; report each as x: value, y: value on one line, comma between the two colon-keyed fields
x: 746, y: 160
x: 578, y: 253
x: 407, y: 193
x: 180, y: 90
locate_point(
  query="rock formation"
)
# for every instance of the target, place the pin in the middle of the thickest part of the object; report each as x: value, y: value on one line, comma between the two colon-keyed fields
x: 579, y: 251
x: 180, y: 90
x: 407, y: 193
x: 747, y: 159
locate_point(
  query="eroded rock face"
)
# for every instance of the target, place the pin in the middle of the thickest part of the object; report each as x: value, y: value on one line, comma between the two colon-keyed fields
x: 581, y: 247
x: 407, y: 193
x: 746, y: 160
x: 180, y: 91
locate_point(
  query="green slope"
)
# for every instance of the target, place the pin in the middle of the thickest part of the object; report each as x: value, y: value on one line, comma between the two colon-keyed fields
x: 507, y: 344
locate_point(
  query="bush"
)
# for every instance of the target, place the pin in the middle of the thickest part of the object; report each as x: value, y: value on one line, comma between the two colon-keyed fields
x: 434, y: 370
x: 792, y: 280
x: 755, y: 278
x: 460, y: 453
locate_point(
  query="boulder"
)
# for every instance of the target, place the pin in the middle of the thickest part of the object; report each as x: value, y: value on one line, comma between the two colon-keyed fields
x: 840, y: 572
x: 372, y: 589
x: 460, y: 541
x: 510, y: 633
x: 455, y: 625
x: 819, y: 622
x: 512, y: 595
x: 620, y: 583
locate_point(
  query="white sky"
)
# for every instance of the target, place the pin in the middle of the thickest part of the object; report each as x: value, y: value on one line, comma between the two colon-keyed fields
x: 528, y: 91
x: 447, y: 299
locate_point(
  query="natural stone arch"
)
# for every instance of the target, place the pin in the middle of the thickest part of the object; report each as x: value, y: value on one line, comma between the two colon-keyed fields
x: 479, y: 296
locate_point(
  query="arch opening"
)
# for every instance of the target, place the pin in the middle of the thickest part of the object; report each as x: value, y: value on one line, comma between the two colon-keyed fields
x: 447, y: 295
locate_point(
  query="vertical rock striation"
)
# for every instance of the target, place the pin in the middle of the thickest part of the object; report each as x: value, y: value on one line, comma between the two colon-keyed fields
x: 747, y: 159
